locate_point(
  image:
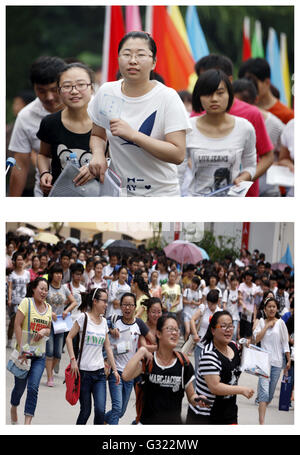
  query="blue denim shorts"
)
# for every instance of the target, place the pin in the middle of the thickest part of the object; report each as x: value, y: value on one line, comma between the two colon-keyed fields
x: 54, y: 345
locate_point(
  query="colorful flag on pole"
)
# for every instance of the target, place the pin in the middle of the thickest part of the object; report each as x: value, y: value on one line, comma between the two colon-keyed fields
x: 195, y: 34
x: 174, y: 62
x: 133, y: 18
x: 114, y: 30
x: 178, y: 21
x: 257, y: 48
x: 274, y: 59
x: 285, y: 68
x: 287, y: 257
x: 246, y: 39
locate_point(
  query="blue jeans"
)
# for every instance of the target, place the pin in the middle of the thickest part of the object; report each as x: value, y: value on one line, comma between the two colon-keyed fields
x: 266, y: 387
x: 120, y: 395
x: 92, y: 383
x: 32, y: 381
x: 54, y: 345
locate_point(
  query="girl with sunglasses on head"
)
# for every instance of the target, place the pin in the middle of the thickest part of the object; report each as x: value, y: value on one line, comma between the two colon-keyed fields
x: 169, y: 379
x: 218, y: 374
x: 144, y: 121
x: 91, y: 369
x: 273, y: 336
x: 69, y: 129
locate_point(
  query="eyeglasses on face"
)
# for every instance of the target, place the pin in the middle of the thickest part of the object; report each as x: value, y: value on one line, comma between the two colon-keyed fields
x: 139, y: 56
x: 127, y: 305
x: 102, y: 300
x: 171, y: 329
x: 225, y: 327
x: 79, y: 86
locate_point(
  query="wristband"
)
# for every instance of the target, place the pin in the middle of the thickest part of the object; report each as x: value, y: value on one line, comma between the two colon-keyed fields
x: 73, y: 358
x: 45, y: 172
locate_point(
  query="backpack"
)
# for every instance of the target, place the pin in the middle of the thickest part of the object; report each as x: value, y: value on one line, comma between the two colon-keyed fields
x: 141, y: 385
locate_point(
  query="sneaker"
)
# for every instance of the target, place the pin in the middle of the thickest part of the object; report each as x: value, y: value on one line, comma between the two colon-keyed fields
x: 9, y: 342
x: 56, y: 368
x: 50, y: 383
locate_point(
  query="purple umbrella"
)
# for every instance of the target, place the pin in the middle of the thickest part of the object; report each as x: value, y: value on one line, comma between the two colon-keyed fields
x: 183, y: 252
x: 278, y: 266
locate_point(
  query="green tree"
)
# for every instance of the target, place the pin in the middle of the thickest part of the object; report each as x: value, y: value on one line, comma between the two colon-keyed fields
x: 218, y: 248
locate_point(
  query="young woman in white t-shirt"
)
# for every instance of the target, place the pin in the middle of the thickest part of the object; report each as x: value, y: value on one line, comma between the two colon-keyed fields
x: 17, y: 282
x: 221, y: 146
x: 144, y: 121
x: 272, y: 333
x: 92, y: 375
x: 116, y: 290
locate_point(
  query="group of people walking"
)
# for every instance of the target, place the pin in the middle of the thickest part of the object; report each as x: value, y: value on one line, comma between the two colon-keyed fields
x: 134, y: 314
x: 141, y: 129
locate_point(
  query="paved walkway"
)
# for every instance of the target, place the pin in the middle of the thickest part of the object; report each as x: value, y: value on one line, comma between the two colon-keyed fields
x: 53, y: 409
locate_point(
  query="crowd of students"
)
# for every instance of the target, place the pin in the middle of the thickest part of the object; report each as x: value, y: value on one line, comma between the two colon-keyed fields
x: 153, y: 138
x: 143, y: 307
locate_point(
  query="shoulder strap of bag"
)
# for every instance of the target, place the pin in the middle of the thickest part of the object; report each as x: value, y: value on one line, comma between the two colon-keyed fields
x: 28, y: 323
x: 82, y: 339
x: 69, y: 286
x: 184, y: 360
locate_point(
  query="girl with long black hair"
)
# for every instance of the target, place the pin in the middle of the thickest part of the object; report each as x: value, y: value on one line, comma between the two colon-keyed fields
x: 92, y: 376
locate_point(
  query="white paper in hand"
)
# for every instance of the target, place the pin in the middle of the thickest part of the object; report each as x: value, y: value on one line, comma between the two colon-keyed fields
x: 280, y: 175
x: 240, y: 190
x: 110, y: 108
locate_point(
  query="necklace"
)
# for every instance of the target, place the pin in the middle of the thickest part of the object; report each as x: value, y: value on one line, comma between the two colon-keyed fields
x: 162, y: 361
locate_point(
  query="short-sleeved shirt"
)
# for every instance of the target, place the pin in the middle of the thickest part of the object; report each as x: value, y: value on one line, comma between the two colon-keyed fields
x: 281, y: 111
x: 263, y: 141
x: 213, y: 362
x: 38, y: 320
x: 169, y: 295
x: 24, y: 138
x: 116, y: 290
x: 216, y: 162
x: 230, y: 297
x: 157, y: 113
x: 137, y: 328
x: 57, y: 298
x: 92, y: 351
x: 287, y: 138
x: 248, y: 294
x: 63, y: 142
x: 76, y: 292
x: 19, y: 286
x: 164, y: 392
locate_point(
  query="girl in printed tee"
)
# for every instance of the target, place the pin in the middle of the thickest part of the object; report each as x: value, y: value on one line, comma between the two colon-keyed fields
x: 144, y: 121
x: 67, y: 130
x: 169, y: 379
x: 221, y: 146
x: 17, y: 283
x: 40, y: 314
x: 218, y: 374
x: 92, y: 376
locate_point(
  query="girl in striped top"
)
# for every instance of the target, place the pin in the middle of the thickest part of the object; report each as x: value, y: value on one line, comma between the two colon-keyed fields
x: 217, y: 376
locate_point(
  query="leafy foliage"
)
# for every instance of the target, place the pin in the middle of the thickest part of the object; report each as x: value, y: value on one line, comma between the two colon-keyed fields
x: 218, y: 248
x: 77, y: 31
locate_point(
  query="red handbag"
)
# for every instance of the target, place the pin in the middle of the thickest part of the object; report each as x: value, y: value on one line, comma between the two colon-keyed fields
x: 73, y: 383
